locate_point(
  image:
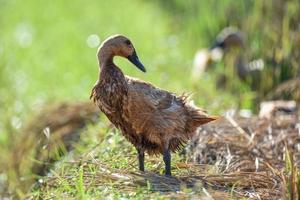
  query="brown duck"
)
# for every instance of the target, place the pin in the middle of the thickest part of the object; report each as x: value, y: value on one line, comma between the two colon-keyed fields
x: 153, y: 120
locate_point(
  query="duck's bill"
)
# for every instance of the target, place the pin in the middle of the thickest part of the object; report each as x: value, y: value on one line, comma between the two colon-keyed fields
x: 218, y: 44
x: 134, y: 59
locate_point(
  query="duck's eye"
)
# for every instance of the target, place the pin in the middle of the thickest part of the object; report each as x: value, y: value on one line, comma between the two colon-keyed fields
x: 127, y: 42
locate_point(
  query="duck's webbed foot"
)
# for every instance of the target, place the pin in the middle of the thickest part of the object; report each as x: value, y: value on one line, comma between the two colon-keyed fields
x: 141, y: 158
x: 167, y: 160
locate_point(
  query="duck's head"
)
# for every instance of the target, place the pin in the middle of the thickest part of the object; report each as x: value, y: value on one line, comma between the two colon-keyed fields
x: 119, y: 45
x: 229, y: 37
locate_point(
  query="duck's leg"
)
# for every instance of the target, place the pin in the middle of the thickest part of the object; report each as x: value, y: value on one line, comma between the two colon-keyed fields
x: 167, y: 160
x: 141, y: 158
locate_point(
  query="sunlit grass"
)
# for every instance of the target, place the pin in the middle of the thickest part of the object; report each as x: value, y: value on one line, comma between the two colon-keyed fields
x: 79, y: 175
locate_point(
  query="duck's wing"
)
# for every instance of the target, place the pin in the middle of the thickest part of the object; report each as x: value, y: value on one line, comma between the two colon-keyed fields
x: 152, y: 110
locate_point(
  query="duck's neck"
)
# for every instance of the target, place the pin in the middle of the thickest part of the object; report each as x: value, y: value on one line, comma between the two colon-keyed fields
x: 105, y: 58
x: 107, y: 66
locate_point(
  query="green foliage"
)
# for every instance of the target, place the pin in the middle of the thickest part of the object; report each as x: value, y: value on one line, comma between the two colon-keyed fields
x: 272, y: 34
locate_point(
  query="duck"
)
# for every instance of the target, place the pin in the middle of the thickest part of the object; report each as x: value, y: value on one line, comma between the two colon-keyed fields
x: 230, y: 38
x: 153, y: 120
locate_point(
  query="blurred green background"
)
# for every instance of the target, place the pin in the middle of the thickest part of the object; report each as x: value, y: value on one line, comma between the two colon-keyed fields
x: 48, y: 50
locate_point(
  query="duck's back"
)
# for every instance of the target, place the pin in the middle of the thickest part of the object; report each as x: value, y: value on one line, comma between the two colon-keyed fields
x: 159, y: 115
x: 151, y: 108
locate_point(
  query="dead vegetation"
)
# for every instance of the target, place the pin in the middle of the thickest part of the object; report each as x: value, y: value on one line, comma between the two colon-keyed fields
x: 191, y: 181
x: 243, y: 140
x: 47, y: 137
x: 267, y: 150
x: 229, y: 159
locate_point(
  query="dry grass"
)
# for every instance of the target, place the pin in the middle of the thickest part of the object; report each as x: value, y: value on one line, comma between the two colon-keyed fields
x: 260, y: 140
x: 191, y: 181
x: 194, y: 182
x: 44, y: 140
x: 231, y: 158
x: 267, y: 150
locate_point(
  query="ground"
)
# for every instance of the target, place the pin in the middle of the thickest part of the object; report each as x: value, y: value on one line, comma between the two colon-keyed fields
x: 233, y: 157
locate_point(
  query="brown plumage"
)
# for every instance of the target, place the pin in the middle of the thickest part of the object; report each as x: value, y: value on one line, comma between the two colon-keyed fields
x: 153, y: 120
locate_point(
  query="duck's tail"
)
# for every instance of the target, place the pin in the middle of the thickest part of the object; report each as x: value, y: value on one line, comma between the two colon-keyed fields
x: 199, y: 117
x: 195, y: 116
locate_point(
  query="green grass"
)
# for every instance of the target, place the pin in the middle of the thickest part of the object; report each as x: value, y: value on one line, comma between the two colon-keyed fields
x: 85, y: 173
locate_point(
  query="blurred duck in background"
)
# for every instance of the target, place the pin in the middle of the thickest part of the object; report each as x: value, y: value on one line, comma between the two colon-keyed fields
x: 229, y: 41
x: 203, y: 60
